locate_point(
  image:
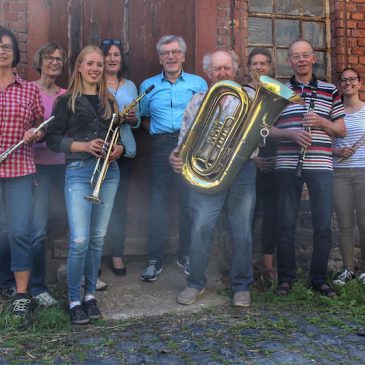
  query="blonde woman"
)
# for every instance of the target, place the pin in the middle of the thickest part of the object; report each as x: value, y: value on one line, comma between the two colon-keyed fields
x: 83, y: 116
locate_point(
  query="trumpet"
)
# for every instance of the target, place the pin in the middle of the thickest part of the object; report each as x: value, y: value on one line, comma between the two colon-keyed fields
x: 14, y: 147
x: 111, y: 139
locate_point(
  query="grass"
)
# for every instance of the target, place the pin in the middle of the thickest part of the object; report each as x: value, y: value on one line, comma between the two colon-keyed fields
x: 48, y: 333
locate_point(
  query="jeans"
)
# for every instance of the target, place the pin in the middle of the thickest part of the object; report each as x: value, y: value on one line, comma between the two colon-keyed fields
x: 118, y: 221
x: 88, y: 223
x: 46, y: 174
x: 205, y: 210
x: 16, y: 203
x: 349, y: 192
x: 162, y: 180
x: 289, y: 188
x: 7, y: 279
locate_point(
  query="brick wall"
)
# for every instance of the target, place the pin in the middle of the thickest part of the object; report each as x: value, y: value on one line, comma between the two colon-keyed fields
x: 13, y: 15
x: 348, y: 37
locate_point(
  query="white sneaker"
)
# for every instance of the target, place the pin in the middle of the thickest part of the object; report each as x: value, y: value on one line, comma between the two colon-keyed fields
x: 100, y: 285
x: 189, y: 295
x: 45, y: 299
x: 344, y: 277
x: 362, y: 278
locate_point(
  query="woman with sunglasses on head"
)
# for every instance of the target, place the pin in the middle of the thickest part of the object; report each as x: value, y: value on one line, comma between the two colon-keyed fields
x: 21, y: 111
x: 49, y: 61
x: 83, y: 116
x: 349, y: 173
x: 125, y: 92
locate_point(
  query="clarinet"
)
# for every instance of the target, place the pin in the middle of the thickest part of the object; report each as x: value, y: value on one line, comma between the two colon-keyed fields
x: 303, y: 151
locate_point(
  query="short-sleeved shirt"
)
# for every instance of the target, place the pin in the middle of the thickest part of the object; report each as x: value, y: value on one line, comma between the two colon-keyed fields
x: 327, y: 104
x: 20, y: 106
x: 42, y: 154
x: 355, y: 127
x: 166, y: 103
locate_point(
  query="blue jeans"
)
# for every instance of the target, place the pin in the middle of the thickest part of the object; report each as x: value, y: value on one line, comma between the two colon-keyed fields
x: 7, y: 279
x: 16, y: 205
x: 289, y: 188
x: 88, y: 223
x: 46, y: 174
x: 162, y: 180
x: 205, y: 210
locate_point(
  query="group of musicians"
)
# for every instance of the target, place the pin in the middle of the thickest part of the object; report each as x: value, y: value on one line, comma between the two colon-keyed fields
x: 75, y: 140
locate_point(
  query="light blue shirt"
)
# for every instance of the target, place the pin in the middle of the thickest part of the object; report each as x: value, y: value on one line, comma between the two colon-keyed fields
x: 124, y: 95
x: 166, y: 103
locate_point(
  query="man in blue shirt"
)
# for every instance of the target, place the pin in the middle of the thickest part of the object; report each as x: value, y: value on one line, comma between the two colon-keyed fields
x: 163, y: 110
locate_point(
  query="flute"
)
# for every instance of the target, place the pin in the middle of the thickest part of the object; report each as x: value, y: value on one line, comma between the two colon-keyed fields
x: 14, y: 147
x: 360, y: 142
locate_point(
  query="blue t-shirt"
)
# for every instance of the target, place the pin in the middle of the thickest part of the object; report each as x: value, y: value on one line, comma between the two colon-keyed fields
x: 166, y: 103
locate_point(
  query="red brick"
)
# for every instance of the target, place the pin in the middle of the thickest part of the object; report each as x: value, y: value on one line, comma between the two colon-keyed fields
x: 357, y: 16
x: 362, y: 59
x: 351, y: 24
x: 358, y: 33
x: 11, y: 16
x: 361, y: 42
x: 358, y: 51
x: 361, y: 25
x: 339, y: 32
x: 339, y: 23
x: 353, y: 59
x: 17, y: 6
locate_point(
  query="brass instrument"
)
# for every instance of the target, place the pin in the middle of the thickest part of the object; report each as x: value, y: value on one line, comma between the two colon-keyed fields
x: 111, y: 139
x: 218, y: 142
x: 14, y: 147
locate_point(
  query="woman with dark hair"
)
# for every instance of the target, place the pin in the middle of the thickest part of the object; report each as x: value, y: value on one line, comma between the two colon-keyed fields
x: 21, y: 110
x: 125, y: 92
x: 349, y: 176
x: 83, y: 116
x: 49, y: 61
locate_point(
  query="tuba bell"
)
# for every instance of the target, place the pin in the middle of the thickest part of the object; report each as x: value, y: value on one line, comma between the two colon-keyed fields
x: 227, y: 129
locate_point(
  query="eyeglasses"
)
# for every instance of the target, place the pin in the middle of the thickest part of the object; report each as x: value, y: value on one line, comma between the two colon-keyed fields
x: 351, y: 80
x: 50, y: 59
x: 174, y: 53
x: 298, y: 56
x: 107, y: 42
x: 6, y: 47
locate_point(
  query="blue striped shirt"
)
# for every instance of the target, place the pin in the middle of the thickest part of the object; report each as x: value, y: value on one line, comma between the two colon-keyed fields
x: 355, y: 125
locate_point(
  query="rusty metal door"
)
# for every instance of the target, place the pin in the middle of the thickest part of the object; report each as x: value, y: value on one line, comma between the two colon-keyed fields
x: 139, y: 23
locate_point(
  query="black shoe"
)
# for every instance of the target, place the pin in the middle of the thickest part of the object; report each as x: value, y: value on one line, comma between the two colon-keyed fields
x: 8, y: 293
x: 92, y: 309
x: 184, y: 263
x: 151, y: 271
x: 21, y: 305
x: 118, y: 271
x: 78, y: 315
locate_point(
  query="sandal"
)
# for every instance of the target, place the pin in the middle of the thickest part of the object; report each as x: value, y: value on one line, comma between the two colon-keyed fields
x: 325, y: 290
x: 283, y: 289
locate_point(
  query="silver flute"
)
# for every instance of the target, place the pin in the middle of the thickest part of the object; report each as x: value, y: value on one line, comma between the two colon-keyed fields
x: 14, y: 147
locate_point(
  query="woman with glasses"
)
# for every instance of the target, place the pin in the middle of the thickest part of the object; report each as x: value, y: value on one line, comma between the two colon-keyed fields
x: 21, y: 110
x: 349, y: 173
x: 124, y: 92
x: 49, y: 61
x: 83, y: 116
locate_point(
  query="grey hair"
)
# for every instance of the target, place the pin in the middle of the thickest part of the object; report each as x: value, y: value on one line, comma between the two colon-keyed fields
x: 207, y: 60
x: 167, y: 39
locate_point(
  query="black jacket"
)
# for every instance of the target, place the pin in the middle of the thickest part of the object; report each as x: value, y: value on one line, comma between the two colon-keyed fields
x: 82, y: 126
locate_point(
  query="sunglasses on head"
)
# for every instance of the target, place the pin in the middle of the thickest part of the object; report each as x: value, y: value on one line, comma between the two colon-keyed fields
x: 106, y: 42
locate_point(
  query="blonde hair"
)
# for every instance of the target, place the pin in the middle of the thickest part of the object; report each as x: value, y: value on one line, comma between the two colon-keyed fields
x: 75, y: 87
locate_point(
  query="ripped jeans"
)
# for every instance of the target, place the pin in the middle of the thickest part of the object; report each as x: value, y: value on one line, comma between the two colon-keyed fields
x: 88, y: 223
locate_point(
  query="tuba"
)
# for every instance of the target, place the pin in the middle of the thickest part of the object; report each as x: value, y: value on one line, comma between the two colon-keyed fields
x: 227, y: 129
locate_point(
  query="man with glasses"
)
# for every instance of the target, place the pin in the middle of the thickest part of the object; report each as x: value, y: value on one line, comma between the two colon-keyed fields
x: 305, y: 133
x: 162, y: 110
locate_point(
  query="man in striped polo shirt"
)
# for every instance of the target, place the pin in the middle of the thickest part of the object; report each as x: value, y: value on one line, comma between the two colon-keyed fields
x: 305, y: 134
